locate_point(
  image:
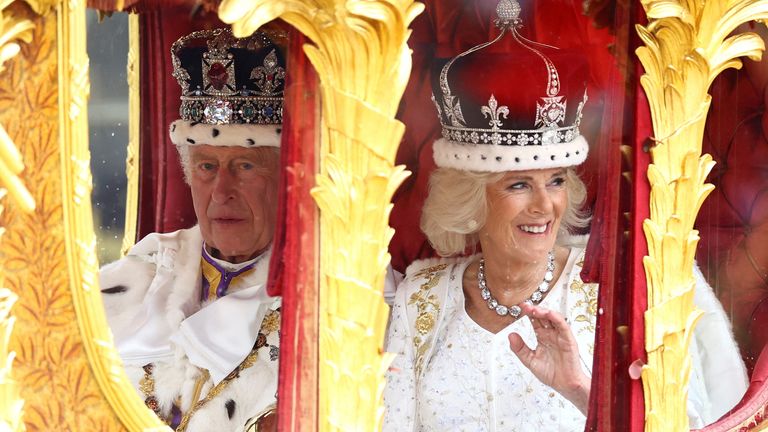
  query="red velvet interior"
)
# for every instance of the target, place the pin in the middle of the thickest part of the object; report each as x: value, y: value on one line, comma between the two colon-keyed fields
x: 165, y: 200
x: 449, y: 27
x: 734, y: 219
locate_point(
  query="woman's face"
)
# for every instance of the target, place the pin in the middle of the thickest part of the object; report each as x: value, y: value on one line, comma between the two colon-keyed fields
x: 524, y: 213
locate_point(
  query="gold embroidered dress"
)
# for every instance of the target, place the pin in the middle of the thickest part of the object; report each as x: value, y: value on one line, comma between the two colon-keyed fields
x: 450, y: 374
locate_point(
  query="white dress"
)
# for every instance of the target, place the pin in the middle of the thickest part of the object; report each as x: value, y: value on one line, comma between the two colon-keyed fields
x: 450, y: 374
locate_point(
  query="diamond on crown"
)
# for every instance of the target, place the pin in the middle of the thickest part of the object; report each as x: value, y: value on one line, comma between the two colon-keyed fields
x: 508, y: 12
x: 218, y: 112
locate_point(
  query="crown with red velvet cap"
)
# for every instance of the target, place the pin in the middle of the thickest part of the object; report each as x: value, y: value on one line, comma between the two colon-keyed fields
x: 232, y: 89
x: 511, y: 105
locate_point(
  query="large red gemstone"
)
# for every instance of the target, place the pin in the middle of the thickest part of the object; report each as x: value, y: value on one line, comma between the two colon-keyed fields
x: 218, y: 76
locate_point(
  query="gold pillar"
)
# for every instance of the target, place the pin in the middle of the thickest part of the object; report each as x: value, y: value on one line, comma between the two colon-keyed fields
x: 361, y: 56
x: 686, y: 47
x: 133, y: 77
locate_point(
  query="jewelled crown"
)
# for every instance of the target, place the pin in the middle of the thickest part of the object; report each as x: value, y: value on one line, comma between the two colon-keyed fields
x: 511, y: 103
x: 231, y: 89
x: 226, y: 80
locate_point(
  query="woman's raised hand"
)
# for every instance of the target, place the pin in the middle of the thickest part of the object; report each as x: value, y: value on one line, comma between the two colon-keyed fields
x: 555, y: 361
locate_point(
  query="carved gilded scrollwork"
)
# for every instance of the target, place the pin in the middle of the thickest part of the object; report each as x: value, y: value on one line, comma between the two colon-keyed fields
x: 11, y: 404
x: 353, y: 41
x: 687, y: 44
x: 132, y: 156
x: 79, y: 238
x: 66, y: 365
x: 12, y: 29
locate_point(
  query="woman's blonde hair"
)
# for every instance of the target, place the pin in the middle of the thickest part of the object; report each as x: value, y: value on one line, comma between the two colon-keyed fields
x: 456, y: 208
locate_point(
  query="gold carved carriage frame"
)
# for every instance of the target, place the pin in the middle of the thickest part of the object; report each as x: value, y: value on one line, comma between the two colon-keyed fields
x: 58, y: 367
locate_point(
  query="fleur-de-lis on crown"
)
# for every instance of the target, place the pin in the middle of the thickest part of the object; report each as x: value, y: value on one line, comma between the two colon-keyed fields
x: 269, y: 76
x: 494, y: 111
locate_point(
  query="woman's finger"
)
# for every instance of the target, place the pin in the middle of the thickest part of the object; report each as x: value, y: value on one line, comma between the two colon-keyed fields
x: 521, y: 349
x: 544, y: 318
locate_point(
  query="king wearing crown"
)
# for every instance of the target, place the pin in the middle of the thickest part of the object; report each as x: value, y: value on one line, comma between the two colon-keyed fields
x: 192, y: 321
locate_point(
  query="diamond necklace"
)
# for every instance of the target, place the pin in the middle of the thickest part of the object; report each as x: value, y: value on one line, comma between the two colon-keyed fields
x: 515, y: 310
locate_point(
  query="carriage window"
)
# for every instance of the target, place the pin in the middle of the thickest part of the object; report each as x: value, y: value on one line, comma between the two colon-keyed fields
x: 108, y: 126
x: 481, y: 101
x: 732, y: 222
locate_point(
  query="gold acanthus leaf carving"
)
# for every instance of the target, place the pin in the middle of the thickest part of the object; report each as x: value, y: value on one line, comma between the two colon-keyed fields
x: 12, y: 28
x: 352, y: 41
x: 11, y: 167
x: 11, y: 403
x: 42, y: 7
x: 687, y: 44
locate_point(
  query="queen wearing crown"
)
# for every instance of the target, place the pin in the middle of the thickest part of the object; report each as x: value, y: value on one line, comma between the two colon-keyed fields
x: 503, y: 339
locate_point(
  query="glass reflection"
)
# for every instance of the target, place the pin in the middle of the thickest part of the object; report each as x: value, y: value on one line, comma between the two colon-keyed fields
x: 733, y: 220
x: 108, y: 127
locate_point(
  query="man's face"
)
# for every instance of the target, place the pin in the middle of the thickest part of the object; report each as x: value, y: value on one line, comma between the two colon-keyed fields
x: 234, y: 190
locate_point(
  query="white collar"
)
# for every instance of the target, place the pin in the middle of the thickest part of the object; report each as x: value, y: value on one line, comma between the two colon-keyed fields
x: 233, y: 267
x: 168, y: 325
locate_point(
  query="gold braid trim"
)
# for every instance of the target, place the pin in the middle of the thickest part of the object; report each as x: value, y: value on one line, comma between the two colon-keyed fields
x: 267, y: 327
x: 428, y: 307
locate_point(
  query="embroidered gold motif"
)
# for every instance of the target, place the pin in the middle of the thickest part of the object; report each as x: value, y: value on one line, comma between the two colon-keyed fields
x: 147, y: 387
x: 217, y: 389
x: 271, y: 322
x: 587, y: 299
x: 429, y: 271
x: 425, y: 322
x: 428, y: 308
x: 147, y: 382
x: 587, y: 303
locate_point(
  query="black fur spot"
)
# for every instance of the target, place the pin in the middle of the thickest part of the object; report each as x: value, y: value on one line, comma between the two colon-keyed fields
x: 536, y: 157
x: 190, y: 140
x: 117, y: 289
x: 279, y: 130
x: 498, y: 158
x: 250, y: 141
x: 173, y: 127
x: 215, y: 132
x: 194, y: 123
x: 577, y: 152
x: 517, y: 159
x: 483, y: 157
x: 567, y: 155
x: 230, y: 408
x: 552, y: 157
